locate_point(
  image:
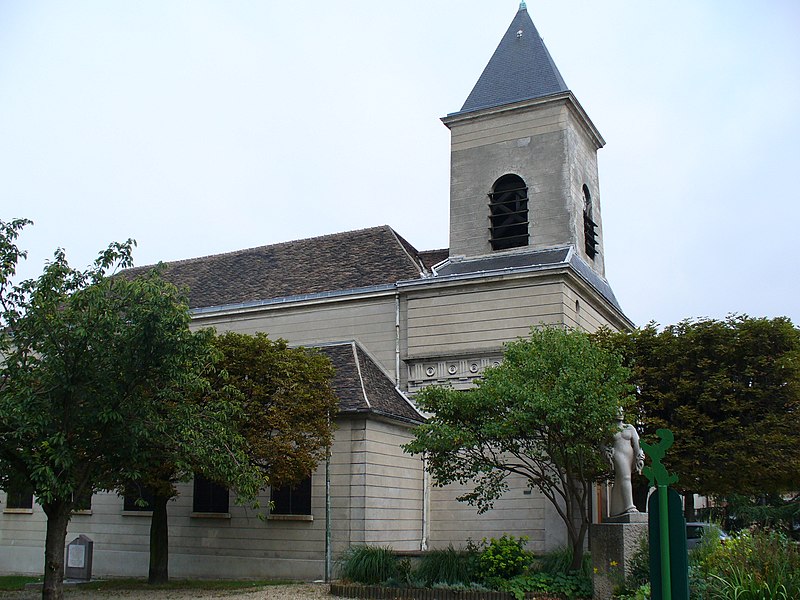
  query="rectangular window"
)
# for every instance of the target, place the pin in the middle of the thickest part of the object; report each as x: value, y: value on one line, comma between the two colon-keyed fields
x: 19, y: 497
x: 209, y: 497
x: 292, y: 500
x: 138, y: 498
x: 83, y: 503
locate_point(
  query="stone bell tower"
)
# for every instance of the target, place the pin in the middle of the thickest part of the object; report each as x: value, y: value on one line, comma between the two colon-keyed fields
x: 524, y: 158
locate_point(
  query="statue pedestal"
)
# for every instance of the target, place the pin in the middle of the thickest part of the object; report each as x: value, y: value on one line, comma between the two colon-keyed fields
x: 614, y: 543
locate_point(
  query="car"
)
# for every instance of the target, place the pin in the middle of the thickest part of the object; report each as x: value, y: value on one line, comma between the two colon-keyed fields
x: 696, y: 531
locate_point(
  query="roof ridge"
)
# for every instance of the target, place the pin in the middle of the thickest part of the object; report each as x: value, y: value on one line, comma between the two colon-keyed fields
x: 360, y: 374
x: 408, y: 248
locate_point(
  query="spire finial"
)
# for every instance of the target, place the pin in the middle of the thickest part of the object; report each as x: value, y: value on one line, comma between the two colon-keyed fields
x: 523, y: 6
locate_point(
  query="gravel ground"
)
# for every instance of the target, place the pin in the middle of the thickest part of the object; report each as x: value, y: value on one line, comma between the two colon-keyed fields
x: 310, y: 591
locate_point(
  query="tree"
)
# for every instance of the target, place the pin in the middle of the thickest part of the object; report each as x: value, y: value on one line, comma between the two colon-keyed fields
x: 208, y: 440
x: 730, y: 392
x: 94, y: 369
x: 543, y: 414
x: 283, y: 427
x: 288, y: 403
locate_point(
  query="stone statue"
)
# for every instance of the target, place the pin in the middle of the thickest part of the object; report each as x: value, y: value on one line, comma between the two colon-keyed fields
x: 625, y: 456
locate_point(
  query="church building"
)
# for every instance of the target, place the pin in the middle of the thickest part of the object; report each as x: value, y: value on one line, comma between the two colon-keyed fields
x: 525, y: 248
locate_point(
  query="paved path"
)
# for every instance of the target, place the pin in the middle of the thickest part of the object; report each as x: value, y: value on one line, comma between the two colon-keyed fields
x: 277, y: 592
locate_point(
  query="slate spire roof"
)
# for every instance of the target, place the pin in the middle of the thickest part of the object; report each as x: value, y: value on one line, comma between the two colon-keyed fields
x: 520, y: 69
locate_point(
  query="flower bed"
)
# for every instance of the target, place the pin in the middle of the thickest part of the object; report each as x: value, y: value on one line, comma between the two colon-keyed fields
x: 376, y: 592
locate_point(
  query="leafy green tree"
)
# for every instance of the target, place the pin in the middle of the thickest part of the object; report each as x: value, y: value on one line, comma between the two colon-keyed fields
x: 284, y: 426
x: 209, y: 441
x: 730, y: 392
x: 94, y: 372
x: 288, y: 403
x: 542, y: 414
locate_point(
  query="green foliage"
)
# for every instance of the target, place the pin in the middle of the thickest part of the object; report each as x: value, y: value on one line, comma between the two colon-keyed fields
x: 99, y: 380
x: 570, y: 585
x: 522, y: 584
x: 640, y: 593
x: 728, y: 389
x: 448, y: 566
x: 503, y: 558
x: 758, y: 565
x: 369, y: 565
x: 541, y: 415
x: 560, y: 561
x: 288, y: 402
x: 12, y: 583
x: 766, y: 511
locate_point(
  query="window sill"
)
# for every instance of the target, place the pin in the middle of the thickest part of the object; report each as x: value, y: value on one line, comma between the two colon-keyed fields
x: 17, y: 511
x: 137, y: 513
x: 210, y: 515
x: 82, y: 512
x: 307, y: 518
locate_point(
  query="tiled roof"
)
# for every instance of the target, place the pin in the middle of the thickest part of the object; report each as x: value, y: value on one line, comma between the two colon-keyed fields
x: 520, y: 69
x: 433, y: 257
x: 362, y: 387
x: 342, y: 261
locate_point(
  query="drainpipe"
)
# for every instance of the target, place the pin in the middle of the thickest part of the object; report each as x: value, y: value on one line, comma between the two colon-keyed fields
x: 425, y: 505
x: 397, y: 338
x: 328, y: 549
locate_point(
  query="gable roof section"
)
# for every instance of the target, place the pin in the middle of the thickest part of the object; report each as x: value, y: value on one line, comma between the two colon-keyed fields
x: 520, y: 69
x: 363, y: 388
x: 343, y: 261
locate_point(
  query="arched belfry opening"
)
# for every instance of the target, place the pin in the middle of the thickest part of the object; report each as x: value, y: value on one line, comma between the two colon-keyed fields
x: 508, y: 213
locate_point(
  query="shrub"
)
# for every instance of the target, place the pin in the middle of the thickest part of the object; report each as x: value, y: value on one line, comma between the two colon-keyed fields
x: 449, y: 566
x: 640, y: 593
x: 536, y: 582
x: 558, y: 561
x: 369, y: 565
x: 503, y: 558
x: 575, y: 584
x: 759, y: 565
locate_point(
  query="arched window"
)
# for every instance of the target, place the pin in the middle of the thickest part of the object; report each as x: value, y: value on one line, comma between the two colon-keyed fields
x: 589, y: 226
x: 508, y: 213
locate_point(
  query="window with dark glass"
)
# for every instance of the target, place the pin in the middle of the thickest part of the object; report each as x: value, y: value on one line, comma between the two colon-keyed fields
x: 83, y: 502
x: 589, y: 226
x: 508, y: 213
x: 292, y: 500
x: 138, y: 498
x: 19, y: 497
x: 209, y: 496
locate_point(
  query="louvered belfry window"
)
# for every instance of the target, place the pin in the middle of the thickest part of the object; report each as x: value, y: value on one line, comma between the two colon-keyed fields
x: 508, y: 207
x: 589, y: 226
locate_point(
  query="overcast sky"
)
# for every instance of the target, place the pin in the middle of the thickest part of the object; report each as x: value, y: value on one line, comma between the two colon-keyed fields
x: 199, y: 127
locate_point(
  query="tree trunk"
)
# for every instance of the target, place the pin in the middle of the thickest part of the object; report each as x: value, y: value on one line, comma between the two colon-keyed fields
x: 159, y: 542
x: 688, y: 506
x: 58, y: 515
x: 577, y: 533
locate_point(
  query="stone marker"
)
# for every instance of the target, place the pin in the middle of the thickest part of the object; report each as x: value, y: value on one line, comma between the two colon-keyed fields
x: 79, y: 559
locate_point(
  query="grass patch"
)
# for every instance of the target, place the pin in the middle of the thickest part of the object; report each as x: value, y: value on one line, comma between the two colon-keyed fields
x: 14, y: 583
x: 183, y: 584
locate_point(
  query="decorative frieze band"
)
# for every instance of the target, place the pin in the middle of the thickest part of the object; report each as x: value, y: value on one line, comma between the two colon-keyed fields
x: 460, y: 372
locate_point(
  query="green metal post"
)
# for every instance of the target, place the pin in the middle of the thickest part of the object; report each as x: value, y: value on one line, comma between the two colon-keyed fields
x: 663, y: 514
